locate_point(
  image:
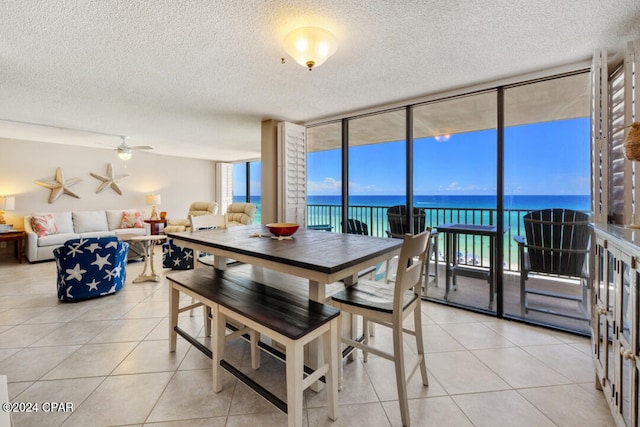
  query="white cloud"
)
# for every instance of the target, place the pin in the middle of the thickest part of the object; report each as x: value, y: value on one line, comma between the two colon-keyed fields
x: 454, y: 186
x: 328, y: 186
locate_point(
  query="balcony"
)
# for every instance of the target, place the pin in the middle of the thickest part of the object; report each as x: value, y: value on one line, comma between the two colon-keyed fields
x: 473, y: 254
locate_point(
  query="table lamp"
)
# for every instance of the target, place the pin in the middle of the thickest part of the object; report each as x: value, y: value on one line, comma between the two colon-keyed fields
x: 7, y: 203
x: 153, y: 200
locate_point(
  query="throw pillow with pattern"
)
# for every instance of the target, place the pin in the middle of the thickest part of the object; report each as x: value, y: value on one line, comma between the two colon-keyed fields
x: 131, y: 220
x: 44, y: 225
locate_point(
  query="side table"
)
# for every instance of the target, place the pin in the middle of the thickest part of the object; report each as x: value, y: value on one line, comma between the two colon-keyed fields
x: 155, y: 225
x: 452, y: 266
x: 17, y: 236
x: 147, y: 245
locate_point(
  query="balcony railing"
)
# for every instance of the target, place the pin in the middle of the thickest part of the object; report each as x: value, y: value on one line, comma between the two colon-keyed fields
x: 473, y: 250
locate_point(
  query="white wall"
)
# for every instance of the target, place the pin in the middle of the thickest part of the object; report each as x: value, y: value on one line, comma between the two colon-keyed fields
x: 179, y: 181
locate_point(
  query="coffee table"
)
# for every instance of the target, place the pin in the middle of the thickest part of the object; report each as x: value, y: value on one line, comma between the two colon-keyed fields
x: 147, y: 244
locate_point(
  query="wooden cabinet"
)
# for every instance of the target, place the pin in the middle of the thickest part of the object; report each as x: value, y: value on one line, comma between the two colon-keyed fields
x: 615, y: 328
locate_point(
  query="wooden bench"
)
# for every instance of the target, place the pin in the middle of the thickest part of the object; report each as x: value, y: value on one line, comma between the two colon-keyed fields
x: 291, y: 320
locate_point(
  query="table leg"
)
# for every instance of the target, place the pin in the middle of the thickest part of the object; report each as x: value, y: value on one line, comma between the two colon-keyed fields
x: 451, y: 262
x: 456, y: 260
x: 148, y: 258
x: 152, y: 249
x: 316, y: 347
x: 447, y: 266
x: 350, y: 319
x: 492, y: 269
x: 220, y: 262
x: 19, y: 249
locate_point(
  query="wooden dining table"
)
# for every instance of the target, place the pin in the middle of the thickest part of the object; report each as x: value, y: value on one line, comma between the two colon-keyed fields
x: 321, y: 257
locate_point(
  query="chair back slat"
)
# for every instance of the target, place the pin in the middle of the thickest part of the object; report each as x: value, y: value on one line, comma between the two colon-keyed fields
x: 201, y: 222
x: 557, y: 240
x: 397, y: 217
x: 355, y: 226
x: 409, y: 274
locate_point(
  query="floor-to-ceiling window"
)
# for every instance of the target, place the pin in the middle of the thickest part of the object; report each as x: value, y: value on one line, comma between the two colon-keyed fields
x: 455, y: 182
x: 240, y: 182
x: 479, y: 160
x: 546, y: 166
x: 247, y: 185
x: 377, y: 170
x: 255, y: 189
x: 324, y: 176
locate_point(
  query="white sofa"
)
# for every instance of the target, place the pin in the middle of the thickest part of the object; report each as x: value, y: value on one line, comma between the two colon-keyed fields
x: 74, y: 225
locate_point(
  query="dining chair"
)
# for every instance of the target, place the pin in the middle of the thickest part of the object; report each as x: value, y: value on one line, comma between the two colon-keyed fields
x: 390, y: 306
x: 198, y: 223
x: 203, y: 222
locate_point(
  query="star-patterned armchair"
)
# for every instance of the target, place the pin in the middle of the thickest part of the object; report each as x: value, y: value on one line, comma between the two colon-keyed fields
x: 90, y: 267
x: 176, y: 257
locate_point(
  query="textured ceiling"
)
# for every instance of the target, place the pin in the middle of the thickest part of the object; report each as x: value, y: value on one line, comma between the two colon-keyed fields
x: 196, y: 78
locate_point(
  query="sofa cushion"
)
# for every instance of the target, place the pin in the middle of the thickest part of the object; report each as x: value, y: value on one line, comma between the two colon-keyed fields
x: 96, y: 234
x: 137, y: 231
x: 114, y: 217
x: 44, y: 225
x: 56, y: 239
x: 63, y: 220
x: 86, y: 221
x: 131, y: 220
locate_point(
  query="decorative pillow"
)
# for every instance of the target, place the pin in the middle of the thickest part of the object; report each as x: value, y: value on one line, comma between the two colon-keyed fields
x: 44, y: 225
x: 131, y: 220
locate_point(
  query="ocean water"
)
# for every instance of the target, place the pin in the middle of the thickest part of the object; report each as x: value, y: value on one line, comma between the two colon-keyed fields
x: 465, y: 203
x: 576, y: 202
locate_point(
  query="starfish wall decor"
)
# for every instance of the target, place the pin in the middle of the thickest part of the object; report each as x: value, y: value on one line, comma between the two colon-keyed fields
x: 59, y: 186
x: 109, y: 181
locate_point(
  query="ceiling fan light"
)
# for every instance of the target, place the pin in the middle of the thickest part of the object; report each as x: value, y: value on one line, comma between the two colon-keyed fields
x: 124, y: 153
x: 310, y: 46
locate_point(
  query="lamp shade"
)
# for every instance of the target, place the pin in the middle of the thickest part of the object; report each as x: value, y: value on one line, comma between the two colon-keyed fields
x: 153, y: 199
x: 7, y: 203
x: 310, y: 46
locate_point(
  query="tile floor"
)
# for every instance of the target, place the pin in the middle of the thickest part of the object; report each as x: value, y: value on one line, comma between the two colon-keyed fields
x: 109, y: 358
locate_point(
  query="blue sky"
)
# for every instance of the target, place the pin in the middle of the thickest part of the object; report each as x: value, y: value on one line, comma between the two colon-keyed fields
x: 540, y: 159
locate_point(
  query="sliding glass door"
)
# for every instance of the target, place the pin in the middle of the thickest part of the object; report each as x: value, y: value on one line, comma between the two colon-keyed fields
x: 479, y: 163
x: 454, y: 182
x: 547, y: 201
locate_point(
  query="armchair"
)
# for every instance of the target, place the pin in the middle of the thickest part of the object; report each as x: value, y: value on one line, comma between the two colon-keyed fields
x: 355, y: 226
x: 556, y: 244
x: 240, y: 213
x: 396, y: 215
x: 196, y: 209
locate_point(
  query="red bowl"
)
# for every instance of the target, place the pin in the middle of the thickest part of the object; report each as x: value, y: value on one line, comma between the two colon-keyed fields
x: 282, y: 228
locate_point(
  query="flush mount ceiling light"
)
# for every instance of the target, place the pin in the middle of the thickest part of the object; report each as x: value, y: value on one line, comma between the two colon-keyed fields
x: 442, y: 138
x: 310, y: 46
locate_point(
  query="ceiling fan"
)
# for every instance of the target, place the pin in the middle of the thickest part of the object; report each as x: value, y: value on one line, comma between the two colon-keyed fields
x: 125, y: 150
